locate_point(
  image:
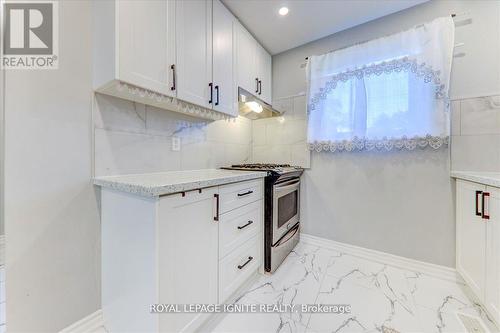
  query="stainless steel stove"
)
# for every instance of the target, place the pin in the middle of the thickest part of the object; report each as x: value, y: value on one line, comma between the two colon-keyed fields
x: 281, y: 210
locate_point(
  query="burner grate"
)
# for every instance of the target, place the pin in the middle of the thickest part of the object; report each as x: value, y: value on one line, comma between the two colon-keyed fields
x: 261, y: 166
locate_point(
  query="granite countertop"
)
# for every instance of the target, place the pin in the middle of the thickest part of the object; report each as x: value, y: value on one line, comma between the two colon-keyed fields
x: 486, y: 178
x: 156, y: 184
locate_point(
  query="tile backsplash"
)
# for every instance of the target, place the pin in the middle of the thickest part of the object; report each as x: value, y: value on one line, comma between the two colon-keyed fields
x: 283, y: 139
x: 475, y: 134
x: 135, y: 138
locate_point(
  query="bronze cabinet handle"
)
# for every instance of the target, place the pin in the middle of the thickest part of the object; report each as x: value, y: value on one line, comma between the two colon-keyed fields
x: 216, y: 217
x: 244, y: 226
x: 172, y: 67
x: 216, y: 95
x: 484, y: 215
x: 246, y: 263
x: 478, y: 213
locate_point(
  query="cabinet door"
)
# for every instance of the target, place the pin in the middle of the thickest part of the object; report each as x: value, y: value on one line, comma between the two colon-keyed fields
x: 492, y: 298
x: 246, y: 57
x: 194, y: 51
x: 471, y: 237
x: 146, y: 43
x: 264, y: 73
x: 225, y: 98
x: 188, y: 256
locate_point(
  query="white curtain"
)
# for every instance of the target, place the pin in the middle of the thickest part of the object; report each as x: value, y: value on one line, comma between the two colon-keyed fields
x: 387, y: 93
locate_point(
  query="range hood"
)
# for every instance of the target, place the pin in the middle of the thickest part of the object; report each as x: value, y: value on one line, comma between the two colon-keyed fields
x: 252, y: 107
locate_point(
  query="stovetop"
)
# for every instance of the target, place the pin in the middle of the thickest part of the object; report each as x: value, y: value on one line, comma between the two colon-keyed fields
x: 270, y: 167
x: 261, y: 166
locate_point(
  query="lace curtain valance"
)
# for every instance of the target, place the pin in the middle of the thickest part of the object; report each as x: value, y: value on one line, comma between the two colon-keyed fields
x: 384, y: 94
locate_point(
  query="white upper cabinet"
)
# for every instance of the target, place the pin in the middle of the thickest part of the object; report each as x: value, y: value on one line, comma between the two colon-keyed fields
x: 134, y: 43
x: 254, y: 66
x: 246, y: 59
x: 194, y: 51
x: 224, y: 50
x: 264, y: 73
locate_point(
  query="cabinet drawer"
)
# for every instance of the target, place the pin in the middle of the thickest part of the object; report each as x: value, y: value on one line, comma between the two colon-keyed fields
x: 238, y: 226
x: 239, y: 194
x: 238, y: 266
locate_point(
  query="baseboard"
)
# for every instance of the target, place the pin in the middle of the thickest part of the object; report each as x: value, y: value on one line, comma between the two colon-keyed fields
x: 2, y: 249
x: 95, y: 321
x: 89, y: 324
x: 438, y: 271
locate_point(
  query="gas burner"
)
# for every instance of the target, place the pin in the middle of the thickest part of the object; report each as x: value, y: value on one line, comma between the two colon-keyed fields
x: 268, y: 166
x: 273, y: 168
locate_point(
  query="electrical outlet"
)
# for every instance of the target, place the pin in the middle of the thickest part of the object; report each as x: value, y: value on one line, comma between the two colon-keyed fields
x: 176, y: 143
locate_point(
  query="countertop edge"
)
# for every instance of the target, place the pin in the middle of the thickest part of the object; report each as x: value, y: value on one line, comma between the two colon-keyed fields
x: 476, y: 178
x: 156, y: 191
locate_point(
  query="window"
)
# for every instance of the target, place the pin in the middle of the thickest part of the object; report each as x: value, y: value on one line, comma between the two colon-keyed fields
x: 384, y: 94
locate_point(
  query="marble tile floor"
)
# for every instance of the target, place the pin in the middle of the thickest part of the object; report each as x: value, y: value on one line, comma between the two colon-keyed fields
x: 382, y: 298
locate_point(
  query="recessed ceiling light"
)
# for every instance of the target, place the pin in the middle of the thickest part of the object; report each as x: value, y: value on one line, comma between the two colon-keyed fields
x: 283, y: 11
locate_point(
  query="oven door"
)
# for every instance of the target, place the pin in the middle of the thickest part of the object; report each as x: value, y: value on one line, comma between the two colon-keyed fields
x: 286, y: 207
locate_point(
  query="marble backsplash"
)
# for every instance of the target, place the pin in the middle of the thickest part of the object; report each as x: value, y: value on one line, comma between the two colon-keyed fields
x: 283, y: 139
x: 475, y: 134
x: 135, y: 138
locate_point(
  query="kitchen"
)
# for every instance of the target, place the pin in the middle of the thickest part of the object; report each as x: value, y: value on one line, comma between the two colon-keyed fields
x: 168, y: 117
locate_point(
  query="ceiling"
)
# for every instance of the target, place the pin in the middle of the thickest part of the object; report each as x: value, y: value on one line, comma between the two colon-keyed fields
x: 308, y: 20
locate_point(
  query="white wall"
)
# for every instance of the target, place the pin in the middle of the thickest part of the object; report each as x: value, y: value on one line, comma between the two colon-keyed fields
x: 136, y: 138
x: 399, y: 202
x: 476, y: 73
x: 52, y: 220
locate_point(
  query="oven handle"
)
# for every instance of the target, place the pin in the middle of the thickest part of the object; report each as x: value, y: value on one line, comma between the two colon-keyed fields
x: 287, y: 238
x: 288, y: 182
x: 285, y: 188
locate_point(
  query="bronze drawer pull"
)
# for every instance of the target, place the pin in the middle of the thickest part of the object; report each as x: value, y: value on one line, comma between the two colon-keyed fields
x: 244, y: 226
x: 246, y: 263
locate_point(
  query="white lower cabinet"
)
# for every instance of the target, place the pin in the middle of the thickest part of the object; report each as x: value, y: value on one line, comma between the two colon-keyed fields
x: 238, y: 226
x: 238, y: 266
x: 177, y: 249
x: 187, y: 256
x: 478, y: 242
x: 492, y: 288
x: 471, y: 235
x: 239, y: 194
